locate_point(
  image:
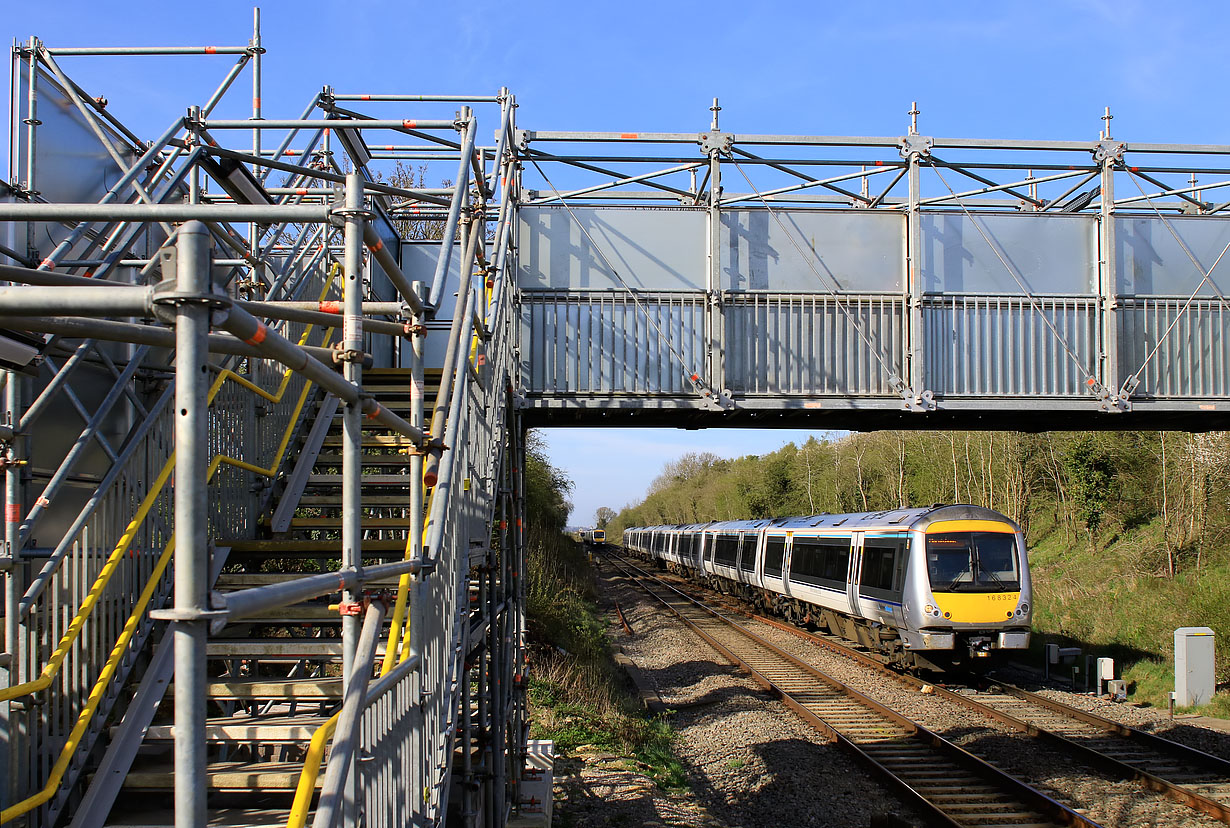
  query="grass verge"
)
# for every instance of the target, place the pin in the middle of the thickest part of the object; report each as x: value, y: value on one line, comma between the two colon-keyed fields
x: 577, y: 697
x: 1115, y: 600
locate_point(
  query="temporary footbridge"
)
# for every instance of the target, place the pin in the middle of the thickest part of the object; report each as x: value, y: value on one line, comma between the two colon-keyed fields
x: 265, y: 392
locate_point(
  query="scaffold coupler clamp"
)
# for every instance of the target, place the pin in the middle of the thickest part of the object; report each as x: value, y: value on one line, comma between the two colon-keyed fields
x: 168, y: 298
x: 912, y: 400
x: 339, y: 212
x: 1106, y: 398
x: 711, y: 400
x: 715, y: 141
x: 342, y: 354
x: 1107, y: 150
x: 915, y: 145
x: 216, y: 614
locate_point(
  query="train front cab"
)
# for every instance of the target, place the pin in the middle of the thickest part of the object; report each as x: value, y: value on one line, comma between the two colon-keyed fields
x: 969, y: 593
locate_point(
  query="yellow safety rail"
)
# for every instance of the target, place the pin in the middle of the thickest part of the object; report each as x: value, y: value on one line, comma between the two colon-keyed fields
x: 315, y: 757
x: 399, y: 640
x: 112, y: 566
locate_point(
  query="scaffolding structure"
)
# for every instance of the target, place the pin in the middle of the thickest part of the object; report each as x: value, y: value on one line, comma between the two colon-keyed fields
x: 293, y: 486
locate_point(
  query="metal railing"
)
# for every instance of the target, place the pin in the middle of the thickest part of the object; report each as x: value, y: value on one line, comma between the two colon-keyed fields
x: 785, y: 344
x: 988, y: 346
x: 82, y: 595
x: 602, y: 342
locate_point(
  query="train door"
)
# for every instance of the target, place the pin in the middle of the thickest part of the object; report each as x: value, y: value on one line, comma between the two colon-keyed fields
x: 856, y: 566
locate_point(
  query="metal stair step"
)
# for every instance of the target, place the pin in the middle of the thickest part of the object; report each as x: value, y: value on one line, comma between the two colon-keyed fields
x: 383, y: 459
x: 336, y: 522
x: 370, y: 439
x: 244, y: 580
x: 229, y: 776
x: 292, y: 548
x: 216, y: 818
x: 368, y: 500
x: 368, y: 480
x: 300, y: 690
x: 272, y: 729
x: 275, y: 648
x: 294, y: 614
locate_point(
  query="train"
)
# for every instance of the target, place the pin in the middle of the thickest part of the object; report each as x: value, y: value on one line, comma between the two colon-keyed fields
x: 592, y: 537
x: 933, y: 588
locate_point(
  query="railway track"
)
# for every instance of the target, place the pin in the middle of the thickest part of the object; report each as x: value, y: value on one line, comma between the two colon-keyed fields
x: 952, y: 785
x: 1182, y: 774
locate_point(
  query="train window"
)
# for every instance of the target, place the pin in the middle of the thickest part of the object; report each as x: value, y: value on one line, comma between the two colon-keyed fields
x: 823, y: 561
x: 747, y: 553
x: 973, y: 562
x: 726, y: 550
x: 774, y: 552
x: 882, y: 565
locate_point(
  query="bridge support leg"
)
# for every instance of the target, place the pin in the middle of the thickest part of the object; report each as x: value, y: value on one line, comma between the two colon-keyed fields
x: 1111, y: 317
x: 352, y: 442
x: 192, y: 380
x: 13, y: 508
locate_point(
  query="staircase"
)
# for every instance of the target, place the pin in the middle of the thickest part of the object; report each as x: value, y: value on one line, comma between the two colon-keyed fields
x: 277, y: 675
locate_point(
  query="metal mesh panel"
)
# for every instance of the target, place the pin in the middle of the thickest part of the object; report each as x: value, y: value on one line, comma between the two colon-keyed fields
x: 999, y: 346
x: 1193, y: 358
x: 810, y: 344
x: 607, y: 342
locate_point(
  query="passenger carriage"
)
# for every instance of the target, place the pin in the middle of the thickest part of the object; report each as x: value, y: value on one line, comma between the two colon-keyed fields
x: 922, y: 587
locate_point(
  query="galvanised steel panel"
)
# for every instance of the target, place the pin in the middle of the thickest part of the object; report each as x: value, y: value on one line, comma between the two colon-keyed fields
x: 418, y: 262
x: 813, y: 344
x: 810, y: 251
x: 990, y: 346
x: 1149, y: 261
x: 70, y: 164
x: 1179, y: 348
x: 1050, y: 254
x: 604, y: 342
x: 652, y: 248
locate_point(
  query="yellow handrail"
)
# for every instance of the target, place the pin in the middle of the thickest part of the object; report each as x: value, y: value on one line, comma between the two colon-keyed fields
x: 105, y: 574
x: 312, y: 762
x: 306, y: 786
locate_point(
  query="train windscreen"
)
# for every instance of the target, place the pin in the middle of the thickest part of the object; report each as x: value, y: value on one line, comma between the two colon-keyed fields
x: 973, y: 562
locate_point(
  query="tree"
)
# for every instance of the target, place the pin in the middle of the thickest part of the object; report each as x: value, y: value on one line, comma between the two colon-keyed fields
x: 603, y: 516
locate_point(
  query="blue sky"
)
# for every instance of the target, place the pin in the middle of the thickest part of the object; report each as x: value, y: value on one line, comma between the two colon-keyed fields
x: 1036, y: 69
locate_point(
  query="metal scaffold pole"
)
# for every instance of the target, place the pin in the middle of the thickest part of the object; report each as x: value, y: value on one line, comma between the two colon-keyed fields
x: 191, y: 521
x: 352, y: 414
x: 13, y: 513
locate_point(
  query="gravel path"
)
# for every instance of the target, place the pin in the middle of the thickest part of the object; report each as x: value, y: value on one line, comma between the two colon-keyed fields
x: 752, y: 763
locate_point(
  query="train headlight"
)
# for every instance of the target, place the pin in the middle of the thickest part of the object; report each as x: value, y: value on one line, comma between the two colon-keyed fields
x: 930, y: 610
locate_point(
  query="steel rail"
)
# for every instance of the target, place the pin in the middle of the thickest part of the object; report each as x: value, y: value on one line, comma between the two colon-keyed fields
x: 910, y: 757
x: 1200, y: 762
x: 1103, y: 760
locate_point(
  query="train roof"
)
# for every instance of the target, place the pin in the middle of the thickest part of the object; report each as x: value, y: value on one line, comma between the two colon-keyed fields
x: 912, y: 518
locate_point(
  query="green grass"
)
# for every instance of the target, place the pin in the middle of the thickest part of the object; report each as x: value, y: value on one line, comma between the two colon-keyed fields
x: 1114, y: 597
x: 577, y: 697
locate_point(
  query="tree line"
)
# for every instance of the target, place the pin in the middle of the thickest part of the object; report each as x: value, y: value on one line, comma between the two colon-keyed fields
x: 1090, y: 487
